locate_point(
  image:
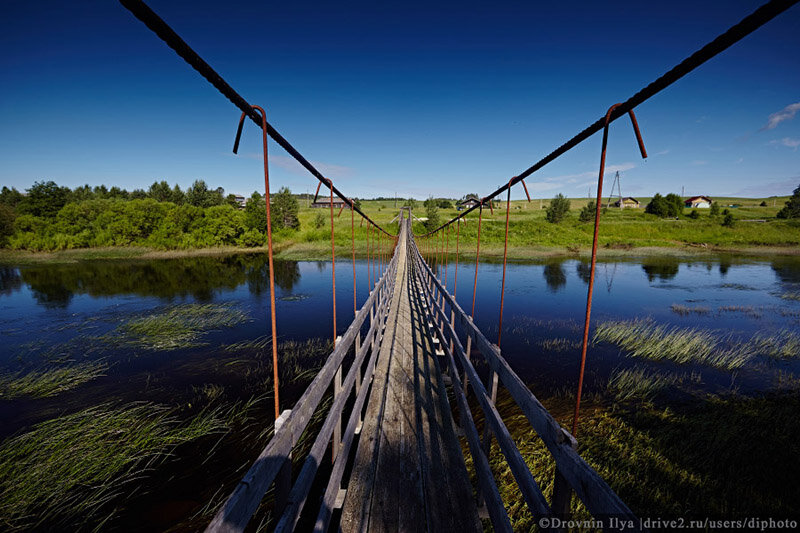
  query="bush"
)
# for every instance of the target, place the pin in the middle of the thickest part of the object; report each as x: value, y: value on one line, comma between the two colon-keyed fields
x: 319, y: 220
x: 587, y: 212
x: 694, y: 215
x: 557, y: 209
x: 670, y: 205
x: 763, y: 203
x: 792, y: 207
x: 714, y: 211
x: 727, y: 220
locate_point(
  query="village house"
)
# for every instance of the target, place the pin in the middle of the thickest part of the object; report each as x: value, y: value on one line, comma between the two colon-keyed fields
x: 627, y: 202
x: 698, y: 201
x: 338, y: 203
x: 466, y: 204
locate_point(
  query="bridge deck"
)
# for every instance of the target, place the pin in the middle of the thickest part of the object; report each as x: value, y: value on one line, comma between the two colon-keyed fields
x: 409, y: 472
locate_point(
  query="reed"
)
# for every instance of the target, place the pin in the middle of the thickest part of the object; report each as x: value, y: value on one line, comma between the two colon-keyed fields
x: 49, y: 381
x: 791, y: 295
x: 68, y: 471
x: 643, y: 338
x: 178, y: 327
x: 784, y: 344
x: 639, y: 383
x: 559, y: 344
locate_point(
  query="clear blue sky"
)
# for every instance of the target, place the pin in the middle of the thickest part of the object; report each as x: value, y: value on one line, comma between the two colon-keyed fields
x: 409, y: 97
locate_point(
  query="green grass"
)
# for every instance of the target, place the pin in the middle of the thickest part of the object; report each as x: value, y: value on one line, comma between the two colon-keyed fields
x: 50, y: 381
x: 180, y: 326
x: 707, y: 459
x: 67, y: 470
x: 643, y: 338
x: 791, y: 296
x: 642, y: 384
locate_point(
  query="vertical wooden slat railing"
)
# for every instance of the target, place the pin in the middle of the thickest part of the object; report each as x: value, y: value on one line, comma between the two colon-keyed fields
x: 572, y: 472
x: 245, y: 499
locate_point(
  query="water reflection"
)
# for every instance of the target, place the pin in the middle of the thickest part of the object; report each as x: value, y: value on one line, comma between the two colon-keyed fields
x: 9, y: 280
x: 54, y: 286
x: 554, y: 276
x: 584, y: 271
x: 663, y: 269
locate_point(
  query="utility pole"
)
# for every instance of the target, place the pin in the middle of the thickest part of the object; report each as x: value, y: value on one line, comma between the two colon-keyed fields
x: 682, y: 191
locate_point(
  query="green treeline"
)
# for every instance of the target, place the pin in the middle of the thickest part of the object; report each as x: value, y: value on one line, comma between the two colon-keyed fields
x: 50, y: 217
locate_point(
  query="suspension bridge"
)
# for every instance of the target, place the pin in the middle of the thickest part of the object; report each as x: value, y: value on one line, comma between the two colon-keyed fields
x: 396, y: 444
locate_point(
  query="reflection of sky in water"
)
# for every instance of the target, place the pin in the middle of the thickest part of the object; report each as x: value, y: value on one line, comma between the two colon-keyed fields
x: 51, y: 304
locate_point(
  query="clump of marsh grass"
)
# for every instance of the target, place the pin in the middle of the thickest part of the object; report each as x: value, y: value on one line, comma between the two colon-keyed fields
x: 685, y: 310
x: 643, y: 338
x: 791, y: 295
x: 746, y: 309
x: 178, y: 327
x: 49, y: 381
x: 559, y: 344
x: 65, y: 470
x: 639, y: 383
x: 785, y: 344
x: 738, y: 287
x: 259, y: 343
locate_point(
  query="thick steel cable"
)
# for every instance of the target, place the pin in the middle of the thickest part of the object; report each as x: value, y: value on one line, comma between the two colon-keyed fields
x: 734, y: 34
x: 150, y: 19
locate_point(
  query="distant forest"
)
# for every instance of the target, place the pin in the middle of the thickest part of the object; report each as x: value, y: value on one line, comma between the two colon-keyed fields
x: 52, y: 217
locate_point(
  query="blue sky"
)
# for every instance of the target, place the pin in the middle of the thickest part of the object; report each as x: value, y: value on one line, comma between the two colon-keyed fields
x: 403, y: 97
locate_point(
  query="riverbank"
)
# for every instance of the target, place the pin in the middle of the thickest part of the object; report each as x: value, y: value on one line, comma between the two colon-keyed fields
x: 321, y: 251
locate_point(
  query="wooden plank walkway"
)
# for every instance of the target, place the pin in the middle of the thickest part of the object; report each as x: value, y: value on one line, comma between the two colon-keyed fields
x: 409, y: 472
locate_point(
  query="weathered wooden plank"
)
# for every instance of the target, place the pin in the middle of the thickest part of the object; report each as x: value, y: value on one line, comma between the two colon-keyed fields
x: 358, y: 501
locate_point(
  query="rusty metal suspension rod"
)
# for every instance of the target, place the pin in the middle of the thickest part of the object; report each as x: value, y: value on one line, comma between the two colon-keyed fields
x: 273, y: 322
x: 734, y: 34
x: 157, y: 25
x: 477, y: 260
x: 598, y: 201
x: 333, y: 270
